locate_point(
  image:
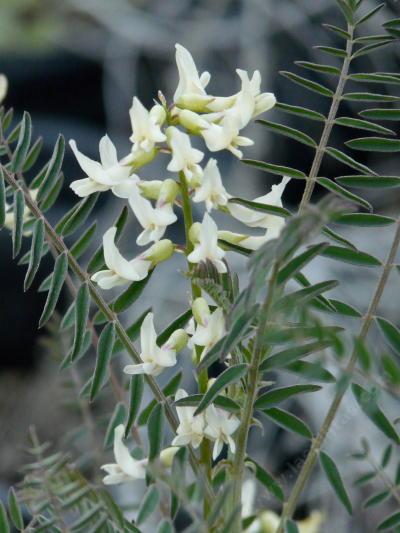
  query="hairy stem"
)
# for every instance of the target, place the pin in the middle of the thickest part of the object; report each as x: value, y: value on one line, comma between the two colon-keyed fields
x: 312, y: 455
x: 55, y: 240
x: 205, y: 450
x: 251, y: 394
x: 319, y: 153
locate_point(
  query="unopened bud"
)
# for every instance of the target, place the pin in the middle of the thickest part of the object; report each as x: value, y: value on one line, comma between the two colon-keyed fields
x: 194, y: 102
x: 168, y: 191
x: 167, y: 456
x: 229, y: 236
x: 158, y: 114
x: 194, y: 232
x: 200, y: 310
x: 150, y: 189
x: 140, y: 158
x: 178, y: 340
x: 192, y: 121
x: 160, y: 251
x: 269, y: 522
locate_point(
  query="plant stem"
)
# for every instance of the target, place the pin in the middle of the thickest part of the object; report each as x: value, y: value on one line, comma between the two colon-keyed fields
x: 319, y: 153
x: 386, y: 481
x: 312, y: 455
x: 59, y: 245
x: 251, y: 394
x: 205, y: 450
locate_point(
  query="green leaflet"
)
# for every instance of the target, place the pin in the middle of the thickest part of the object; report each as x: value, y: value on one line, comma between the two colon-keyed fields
x: 302, y: 296
x: 369, y: 182
x: 18, y: 208
x: 223, y: 402
x: 231, y: 375
x: 374, y: 144
x: 317, y: 67
x: 344, y: 193
x: 307, y: 84
x: 4, y: 523
x: 370, y: 14
x: 15, y: 510
x: 354, y: 257
x: 363, y: 220
x: 33, y: 154
x: 104, y: 353
x: 53, y: 170
x: 363, y: 125
x: 297, y: 135
x: 132, y: 331
x: 148, y: 505
x: 155, y: 431
x: 281, y: 394
x: 347, y: 160
x: 288, y: 421
x: 334, y: 478
x: 390, y: 522
x: 36, y: 252
x: 390, y: 333
x: 281, y: 170
x: 82, y: 304
x: 285, y: 357
x: 257, y: 206
x: 267, y: 480
x: 298, y: 262
x: 308, y: 370
x: 179, y: 322
x: 24, y: 140
x: 367, y: 401
x: 79, y: 215
x: 117, y: 418
x: 136, y: 388
x: 83, y: 243
x: 169, y: 390
x: 381, y: 114
x: 302, y: 112
x: 57, y: 282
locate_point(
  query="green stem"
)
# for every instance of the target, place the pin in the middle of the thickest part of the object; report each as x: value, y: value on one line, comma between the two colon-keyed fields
x: 205, y: 449
x: 57, y: 242
x: 317, y: 443
x: 319, y: 153
x: 251, y: 394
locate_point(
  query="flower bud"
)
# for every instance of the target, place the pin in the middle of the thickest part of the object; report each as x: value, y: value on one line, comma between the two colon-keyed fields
x: 194, y: 232
x: 3, y: 87
x: 194, y: 102
x: 160, y: 251
x: 150, y: 189
x: 158, y: 114
x: 178, y: 340
x: 200, y: 310
x: 269, y: 522
x: 229, y: 236
x: 192, y: 121
x: 168, y: 191
x: 140, y: 158
x: 167, y: 456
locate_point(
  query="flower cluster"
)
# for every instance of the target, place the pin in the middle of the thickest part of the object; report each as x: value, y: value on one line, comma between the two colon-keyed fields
x: 218, y: 120
x: 170, y: 129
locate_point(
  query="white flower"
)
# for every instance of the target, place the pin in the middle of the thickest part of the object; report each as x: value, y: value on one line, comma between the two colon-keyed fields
x: 146, y: 126
x: 258, y: 219
x: 206, y: 244
x: 211, y: 190
x: 184, y: 158
x: 190, y: 93
x: 191, y: 428
x: 154, y: 220
x: 109, y: 174
x: 225, y: 135
x: 155, y: 359
x: 3, y: 87
x: 220, y: 426
x: 126, y: 468
x: 210, y: 327
x: 251, y: 242
x: 120, y: 270
x: 249, y: 102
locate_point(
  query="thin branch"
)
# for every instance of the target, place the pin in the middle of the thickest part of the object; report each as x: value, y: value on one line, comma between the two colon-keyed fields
x: 319, y: 153
x: 317, y: 443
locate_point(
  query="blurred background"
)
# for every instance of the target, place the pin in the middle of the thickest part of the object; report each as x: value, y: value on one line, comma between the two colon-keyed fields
x: 75, y: 66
